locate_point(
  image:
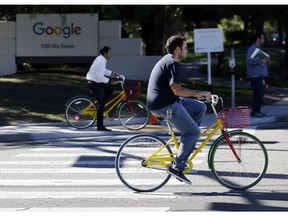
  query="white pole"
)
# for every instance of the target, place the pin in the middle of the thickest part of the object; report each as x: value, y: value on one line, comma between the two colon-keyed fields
x: 232, y: 81
x: 209, y: 68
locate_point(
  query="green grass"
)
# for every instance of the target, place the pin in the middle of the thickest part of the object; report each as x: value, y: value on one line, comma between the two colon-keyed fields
x: 40, y: 95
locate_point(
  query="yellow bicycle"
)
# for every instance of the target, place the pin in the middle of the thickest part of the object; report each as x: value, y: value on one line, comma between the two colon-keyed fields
x: 238, y: 160
x: 81, y: 111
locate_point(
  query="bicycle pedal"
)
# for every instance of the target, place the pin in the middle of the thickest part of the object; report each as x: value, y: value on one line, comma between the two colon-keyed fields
x: 179, y: 179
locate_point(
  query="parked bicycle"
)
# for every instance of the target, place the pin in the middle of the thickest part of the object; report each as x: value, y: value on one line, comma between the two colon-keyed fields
x: 81, y: 111
x: 238, y: 160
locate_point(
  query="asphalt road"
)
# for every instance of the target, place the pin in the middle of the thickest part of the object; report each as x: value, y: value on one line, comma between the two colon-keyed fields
x: 79, y: 175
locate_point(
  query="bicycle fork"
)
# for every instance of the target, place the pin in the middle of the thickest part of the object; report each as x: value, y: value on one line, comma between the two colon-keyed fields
x: 227, y: 138
x: 129, y: 106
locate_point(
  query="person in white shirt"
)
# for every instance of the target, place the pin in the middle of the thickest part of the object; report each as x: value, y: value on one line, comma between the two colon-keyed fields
x: 98, y: 83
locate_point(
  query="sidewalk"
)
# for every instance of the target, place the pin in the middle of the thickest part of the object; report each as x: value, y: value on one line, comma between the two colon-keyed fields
x: 277, y: 112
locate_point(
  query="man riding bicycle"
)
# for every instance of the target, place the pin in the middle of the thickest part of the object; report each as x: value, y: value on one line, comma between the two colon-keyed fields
x: 98, y: 80
x: 167, y: 98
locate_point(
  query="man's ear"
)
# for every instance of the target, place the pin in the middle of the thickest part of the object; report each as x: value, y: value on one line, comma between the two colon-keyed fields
x: 177, y: 50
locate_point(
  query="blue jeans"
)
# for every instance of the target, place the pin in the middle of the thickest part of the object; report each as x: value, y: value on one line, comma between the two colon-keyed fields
x: 187, y: 115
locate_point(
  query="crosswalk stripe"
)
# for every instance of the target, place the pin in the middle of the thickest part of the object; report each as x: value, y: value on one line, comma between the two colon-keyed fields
x: 84, y: 162
x: 74, y: 163
x: 73, y: 210
x: 76, y: 149
x: 82, y: 194
x: 66, y: 155
x: 74, y: 182
x: 68, y: 171
x: 82, y: 145
x: 56, y: 171
x: 62, y: 155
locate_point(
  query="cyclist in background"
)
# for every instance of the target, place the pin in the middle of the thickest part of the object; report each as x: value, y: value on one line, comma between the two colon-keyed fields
x: 98, y: 83
x: 167, y: 98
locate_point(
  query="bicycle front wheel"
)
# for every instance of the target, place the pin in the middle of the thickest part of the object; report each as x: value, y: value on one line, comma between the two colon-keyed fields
x: 239, y: 174
x: 135, y: 170
x: 80, y: 112
x: 133, y: 115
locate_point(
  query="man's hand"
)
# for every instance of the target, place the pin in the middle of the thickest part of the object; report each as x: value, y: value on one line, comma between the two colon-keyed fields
x: 266, y: 61
x: 113, y: 81
x: 115, y: 74
x: 114, y: 78
x: 204, y: 95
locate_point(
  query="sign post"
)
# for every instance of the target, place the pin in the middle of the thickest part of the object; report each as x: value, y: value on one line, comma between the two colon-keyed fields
x: 208, y: 40
x: 232, y: 65
x: 209, y: 79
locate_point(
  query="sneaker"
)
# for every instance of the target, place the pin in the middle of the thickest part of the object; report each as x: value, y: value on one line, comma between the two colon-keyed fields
x: 103, y: 129
x: 179, y: 175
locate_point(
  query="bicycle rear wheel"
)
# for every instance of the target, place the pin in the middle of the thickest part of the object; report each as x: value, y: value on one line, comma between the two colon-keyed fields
x: 80, y: 112
x: 243, y: 174
x: 133, y: 115
x: 132, y: 169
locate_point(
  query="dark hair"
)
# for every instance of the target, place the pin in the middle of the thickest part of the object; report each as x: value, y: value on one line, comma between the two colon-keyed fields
x: 173, y: 42
x: 104, y: 50
x: 257, y: 35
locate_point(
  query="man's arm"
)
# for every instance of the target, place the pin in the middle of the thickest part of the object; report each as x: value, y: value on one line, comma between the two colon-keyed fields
x: 254, y: 62
x: 99, y: 71
x: 185, y: 92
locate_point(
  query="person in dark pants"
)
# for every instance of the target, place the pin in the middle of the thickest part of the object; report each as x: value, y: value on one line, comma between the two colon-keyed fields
x: 257, y: 71
x: 99, y: 83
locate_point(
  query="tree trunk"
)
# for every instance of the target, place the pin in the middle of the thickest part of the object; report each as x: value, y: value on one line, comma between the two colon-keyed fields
x: 153, y: 38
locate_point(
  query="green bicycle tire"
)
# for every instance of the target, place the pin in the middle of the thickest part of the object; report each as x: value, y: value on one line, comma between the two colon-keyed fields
x: 234, y: 174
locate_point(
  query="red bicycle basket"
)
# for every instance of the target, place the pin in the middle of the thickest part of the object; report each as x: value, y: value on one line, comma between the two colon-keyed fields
x: 132, y: 90
x: 235, y: 117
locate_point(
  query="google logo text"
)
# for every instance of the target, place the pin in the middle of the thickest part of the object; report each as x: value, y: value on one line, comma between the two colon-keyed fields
x: 65, y: 31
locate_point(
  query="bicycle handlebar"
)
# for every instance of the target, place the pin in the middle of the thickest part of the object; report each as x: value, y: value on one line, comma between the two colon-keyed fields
x: 214, y: 99
x: 122, y: 78
x: 118, y: 78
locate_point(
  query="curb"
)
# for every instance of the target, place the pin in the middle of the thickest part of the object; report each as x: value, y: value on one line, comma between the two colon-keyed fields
x: 63, y: 131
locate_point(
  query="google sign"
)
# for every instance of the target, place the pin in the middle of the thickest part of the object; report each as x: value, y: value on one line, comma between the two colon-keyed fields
x: 65, y: 31
x: 60, y: 35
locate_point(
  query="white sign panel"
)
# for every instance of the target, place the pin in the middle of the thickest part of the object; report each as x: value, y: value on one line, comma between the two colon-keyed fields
x: 208, y: 40
x: 56, y: 35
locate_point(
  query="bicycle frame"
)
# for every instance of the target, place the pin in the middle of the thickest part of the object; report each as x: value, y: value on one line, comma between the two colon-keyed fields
x: 110, y: 105
x: 166, y: 160
x: 142, y: 162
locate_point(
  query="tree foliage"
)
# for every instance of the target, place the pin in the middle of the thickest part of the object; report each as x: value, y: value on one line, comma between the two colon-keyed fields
x: 154, y: 23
